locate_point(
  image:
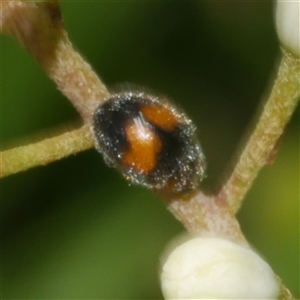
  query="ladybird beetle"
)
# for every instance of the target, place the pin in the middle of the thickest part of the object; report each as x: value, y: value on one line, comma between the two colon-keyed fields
x: 150, y: 141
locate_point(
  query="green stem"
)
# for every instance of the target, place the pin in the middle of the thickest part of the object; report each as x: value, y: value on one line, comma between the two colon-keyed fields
x: 275, y: 115
x: 41, y: 153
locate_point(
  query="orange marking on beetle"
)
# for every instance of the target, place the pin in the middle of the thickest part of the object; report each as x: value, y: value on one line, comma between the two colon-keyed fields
x: 144, y: 147
x: 160, y: 116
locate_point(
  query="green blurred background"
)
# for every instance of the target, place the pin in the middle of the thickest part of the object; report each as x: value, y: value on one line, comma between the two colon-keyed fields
x: 75, y: 229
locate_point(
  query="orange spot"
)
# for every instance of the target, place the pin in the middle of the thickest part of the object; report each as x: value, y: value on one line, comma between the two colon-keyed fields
x: 144, y: 147
x: 160, y: 116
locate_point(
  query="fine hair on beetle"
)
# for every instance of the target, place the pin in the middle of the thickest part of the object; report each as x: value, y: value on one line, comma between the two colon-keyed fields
x: 149, y: 140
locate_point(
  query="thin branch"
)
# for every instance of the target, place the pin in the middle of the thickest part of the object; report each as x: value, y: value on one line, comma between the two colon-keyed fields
x: 203, y: 216
x: 275, y: 115
x: 39, y: 28
x: 48, y: 150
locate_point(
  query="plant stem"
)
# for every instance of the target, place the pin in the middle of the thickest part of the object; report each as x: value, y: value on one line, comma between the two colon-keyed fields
x: 48, y: 150
x: 275, y: 115
x: 202, y: 216
x: 39, y: 28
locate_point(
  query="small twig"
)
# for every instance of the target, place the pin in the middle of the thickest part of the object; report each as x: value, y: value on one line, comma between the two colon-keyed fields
x: 48, y: 150
x: 39, y: 28
x: 202, y: 216
x: 270, y: 126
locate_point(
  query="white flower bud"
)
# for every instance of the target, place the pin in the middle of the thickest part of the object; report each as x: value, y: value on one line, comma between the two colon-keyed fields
x: 211, y: 268
x: 288, y: 24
